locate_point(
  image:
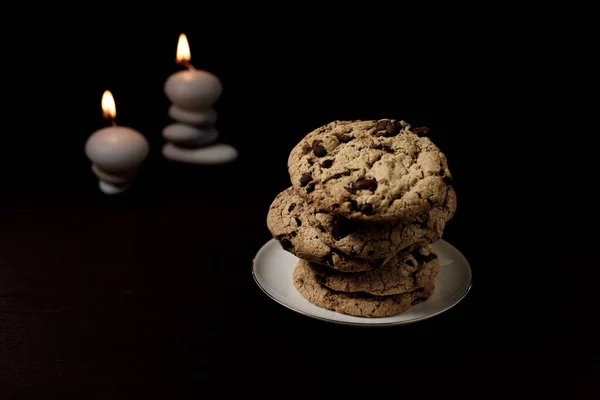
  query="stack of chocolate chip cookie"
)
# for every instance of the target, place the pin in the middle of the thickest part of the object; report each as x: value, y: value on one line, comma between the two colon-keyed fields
x: 367, y: 200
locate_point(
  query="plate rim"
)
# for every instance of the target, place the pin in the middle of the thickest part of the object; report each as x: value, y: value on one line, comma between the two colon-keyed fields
x: 362, y: 324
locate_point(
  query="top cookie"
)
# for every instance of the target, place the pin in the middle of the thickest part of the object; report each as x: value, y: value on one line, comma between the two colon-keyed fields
x: 372, y: 171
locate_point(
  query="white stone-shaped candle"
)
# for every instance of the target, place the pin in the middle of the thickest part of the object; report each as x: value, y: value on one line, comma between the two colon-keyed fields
x: 116, y: 152
x: 193, y: 92
x: 199, y: 118
x: 187, y: 135
x: 219, y: 153
x: 191, y: 89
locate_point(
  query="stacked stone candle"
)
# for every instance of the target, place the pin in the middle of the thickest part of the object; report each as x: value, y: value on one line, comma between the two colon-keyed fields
x: 192, y: 136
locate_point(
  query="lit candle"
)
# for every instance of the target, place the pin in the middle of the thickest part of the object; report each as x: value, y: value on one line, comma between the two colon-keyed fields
x: 192, y: 93
x: 192, y: 89
x: 116, y: 152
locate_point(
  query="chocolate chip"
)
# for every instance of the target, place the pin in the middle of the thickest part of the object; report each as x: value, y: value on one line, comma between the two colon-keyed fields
x: 341, y: 227
x: 385, y: 148
x: 310, y: 187
x: 421, y: 131
x: 344, y: 138
x: 411, y: 262
x: 367, y: 208
x: 327, y: 163
x: 298, y: 222
x: 353, y: 205
x: 304, y: 179
x: 371, y: 253
x: 286, y: 244
x: 336, y: 231
x: 363, y: 184
x: 318, y: 149
x: 305, y: 148
x: 291, y: 207
x: 387, y: 127
x: 419, y: 290
x: 381, y: 125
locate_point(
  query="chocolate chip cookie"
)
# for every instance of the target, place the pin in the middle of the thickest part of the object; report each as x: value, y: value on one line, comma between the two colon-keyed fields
x: 402, y: 274
x: 376, y: 170
x: 288, y: 220
x: 323, y: 234
x: 379, y: 240
x: 358, y: 304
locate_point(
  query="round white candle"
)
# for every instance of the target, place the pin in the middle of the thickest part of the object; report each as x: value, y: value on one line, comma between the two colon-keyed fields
x: 193, y: 89
x: 117, y: 149
x: 116, y: 152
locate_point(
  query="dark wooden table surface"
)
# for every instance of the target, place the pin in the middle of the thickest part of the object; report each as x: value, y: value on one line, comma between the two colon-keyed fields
x: 150, y: 292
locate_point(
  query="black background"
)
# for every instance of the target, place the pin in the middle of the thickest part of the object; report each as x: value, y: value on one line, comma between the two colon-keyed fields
x: 150, y: 292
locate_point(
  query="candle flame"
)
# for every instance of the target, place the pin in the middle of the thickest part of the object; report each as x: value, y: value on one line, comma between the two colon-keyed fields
x: 109, y: 110
x: 183, y: 50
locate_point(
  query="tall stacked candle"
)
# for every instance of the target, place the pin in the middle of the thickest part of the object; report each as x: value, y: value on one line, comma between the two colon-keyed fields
x: 116, y: 152
x: 193, y: 92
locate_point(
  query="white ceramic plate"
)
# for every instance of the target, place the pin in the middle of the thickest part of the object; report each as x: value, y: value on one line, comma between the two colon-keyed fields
x: 273, y: 267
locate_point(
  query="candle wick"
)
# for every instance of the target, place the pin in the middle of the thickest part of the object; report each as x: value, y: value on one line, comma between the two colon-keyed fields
x: 189, y: 66
x: 113, y: 122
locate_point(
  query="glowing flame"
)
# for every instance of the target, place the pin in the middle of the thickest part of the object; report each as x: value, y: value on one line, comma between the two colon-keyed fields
x: 109, y: 110
x: 183, y: 50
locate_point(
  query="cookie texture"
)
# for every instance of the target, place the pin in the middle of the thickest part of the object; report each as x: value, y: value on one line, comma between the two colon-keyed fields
x: 319, y: 233
x: 402, y: 274
x: 288, y: 221
x: 357, y: 304
x: 376, y: 170
x: 378, y: 240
